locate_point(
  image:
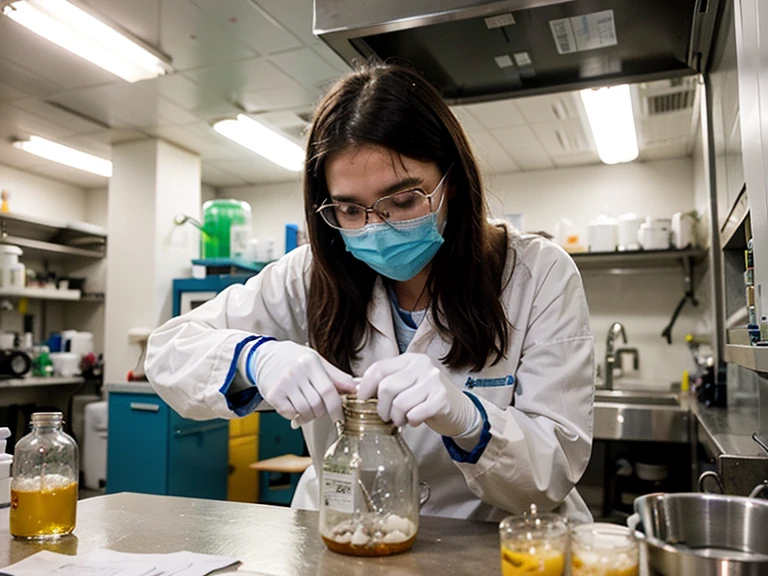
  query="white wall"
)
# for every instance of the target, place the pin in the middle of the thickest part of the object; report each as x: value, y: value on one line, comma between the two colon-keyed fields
x: 34, y: 195
x: 582, y: 193
x: 272, y: 207
x: 207, y: 192
x: 96, y: 200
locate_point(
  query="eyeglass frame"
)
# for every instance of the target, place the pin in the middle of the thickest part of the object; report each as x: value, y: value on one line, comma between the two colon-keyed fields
x: 372, y: 208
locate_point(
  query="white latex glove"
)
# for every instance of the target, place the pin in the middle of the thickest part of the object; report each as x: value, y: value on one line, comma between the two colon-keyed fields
x: 411, y: 389
x: 298, y: 383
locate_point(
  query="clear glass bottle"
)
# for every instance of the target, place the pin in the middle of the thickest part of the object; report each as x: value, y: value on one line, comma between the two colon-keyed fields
x: 534, y: 543
x: 370, y: 488
x: 604, y: 550
x: 44, y: 484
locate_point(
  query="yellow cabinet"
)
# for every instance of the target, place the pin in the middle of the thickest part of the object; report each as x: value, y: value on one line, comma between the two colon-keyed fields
x: 243, y: 483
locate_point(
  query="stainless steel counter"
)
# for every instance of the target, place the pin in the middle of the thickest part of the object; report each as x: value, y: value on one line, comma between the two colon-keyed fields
x: 130, y: 387
x: 266, y: 539
x: 728, y: 430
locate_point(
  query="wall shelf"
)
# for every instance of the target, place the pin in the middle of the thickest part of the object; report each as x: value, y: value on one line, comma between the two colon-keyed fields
x: 44, y: 249
x: 40, y: 293
x: 35, y: 381
x: 752, y: 357
x: 48, y: 238
x: 638, y: 259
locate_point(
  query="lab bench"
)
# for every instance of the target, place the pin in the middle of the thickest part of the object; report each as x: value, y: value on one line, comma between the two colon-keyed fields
x: 266, y: 539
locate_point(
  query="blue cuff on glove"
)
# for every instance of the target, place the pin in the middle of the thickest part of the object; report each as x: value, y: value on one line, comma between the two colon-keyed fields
x: 457, y: 452
x: 245, y: 401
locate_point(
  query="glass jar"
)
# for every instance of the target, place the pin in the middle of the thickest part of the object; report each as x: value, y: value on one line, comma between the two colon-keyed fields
x: 533, y: 544
x: 601, y: 549
x: 44, y: 484
x: 370, y: 488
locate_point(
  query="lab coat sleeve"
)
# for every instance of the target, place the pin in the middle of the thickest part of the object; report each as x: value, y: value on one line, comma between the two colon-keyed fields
x: 194, y: 361
x: 538, y: 449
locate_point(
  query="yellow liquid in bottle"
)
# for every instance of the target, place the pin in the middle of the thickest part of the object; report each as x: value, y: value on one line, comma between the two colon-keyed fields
x: 44, y: 513
x: 548, y: 563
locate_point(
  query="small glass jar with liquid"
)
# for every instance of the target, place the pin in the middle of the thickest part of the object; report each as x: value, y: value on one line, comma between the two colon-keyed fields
x: 44, y: 483
x: 534, y: 543
x: 602, y: 549
x: 370, y: 493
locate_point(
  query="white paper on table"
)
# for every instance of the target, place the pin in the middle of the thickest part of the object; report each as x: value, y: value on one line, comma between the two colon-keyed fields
x: 111, y: 563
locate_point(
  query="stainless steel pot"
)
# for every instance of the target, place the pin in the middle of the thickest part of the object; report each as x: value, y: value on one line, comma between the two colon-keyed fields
x: 703, y: 534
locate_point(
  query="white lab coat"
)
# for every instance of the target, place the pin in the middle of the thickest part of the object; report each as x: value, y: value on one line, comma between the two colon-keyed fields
x: 539, y: 446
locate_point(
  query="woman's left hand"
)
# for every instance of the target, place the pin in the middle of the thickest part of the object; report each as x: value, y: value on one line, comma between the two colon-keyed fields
x: 412, y: 390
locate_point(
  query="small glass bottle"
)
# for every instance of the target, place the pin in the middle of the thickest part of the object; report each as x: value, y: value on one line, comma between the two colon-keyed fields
x: 369, y: 504
x: 44, y: 484
x: 604, y: 550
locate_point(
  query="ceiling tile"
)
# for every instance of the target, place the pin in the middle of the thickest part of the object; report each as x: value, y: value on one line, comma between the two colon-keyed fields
x: 294, y: 15
x: 9, y: 93
x: 665, y: 152
x: 203, y: 140
x: 468, y: 122
x: 562, y: 138
x: 497, y: 114
x: 549, y: 108
x: 192, y: 39
x: 331, y: 57
x: 110, y: 136
x: 15, y: 122
x: 581, y: 159
x: 234, y: 79
x: 216, y: 177
x: 73, y: 122
x: 531, y: 158
x: 138, y: 17
x: 491, y: 154
x: 20, y: 78
x: 306, y: 66
x: 515, y: 137
x: 89, y: 145
x: 46, y: 59
x: 292, y: 97
x: 256, y: 169
x: 192, y: 97
x: 250, y: 24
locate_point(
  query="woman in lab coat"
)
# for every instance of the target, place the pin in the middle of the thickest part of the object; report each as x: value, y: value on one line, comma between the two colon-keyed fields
x: 473, y: 337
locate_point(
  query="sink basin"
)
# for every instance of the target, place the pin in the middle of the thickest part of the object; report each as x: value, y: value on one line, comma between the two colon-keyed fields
x: 647, y: 397
x: 641, y: 415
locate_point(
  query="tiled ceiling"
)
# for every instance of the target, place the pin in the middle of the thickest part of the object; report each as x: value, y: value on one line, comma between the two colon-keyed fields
x: 260, y: 57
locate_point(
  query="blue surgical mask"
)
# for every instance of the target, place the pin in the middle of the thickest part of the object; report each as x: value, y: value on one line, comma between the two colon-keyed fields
x: 397, y: 250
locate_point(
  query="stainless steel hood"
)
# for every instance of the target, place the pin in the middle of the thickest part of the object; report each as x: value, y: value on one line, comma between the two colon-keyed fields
x: 477, y: 50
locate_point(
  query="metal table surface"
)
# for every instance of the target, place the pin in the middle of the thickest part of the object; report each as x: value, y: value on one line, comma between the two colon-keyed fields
x: 266, y: 539
x: 728, y: 430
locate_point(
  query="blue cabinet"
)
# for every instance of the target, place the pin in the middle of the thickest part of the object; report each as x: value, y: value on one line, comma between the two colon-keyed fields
x: 153, y: 450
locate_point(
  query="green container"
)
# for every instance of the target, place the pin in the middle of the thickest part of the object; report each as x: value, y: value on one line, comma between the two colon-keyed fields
x: 226, y: 229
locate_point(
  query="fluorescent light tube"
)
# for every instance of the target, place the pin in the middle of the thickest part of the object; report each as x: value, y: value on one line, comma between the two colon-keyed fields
x: 74, y: 29
x: 609, y: 111
x: 65, y: 155
x: 258, y: 138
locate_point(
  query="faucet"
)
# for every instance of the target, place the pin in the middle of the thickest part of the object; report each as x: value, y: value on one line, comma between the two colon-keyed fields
x: 617, y: 328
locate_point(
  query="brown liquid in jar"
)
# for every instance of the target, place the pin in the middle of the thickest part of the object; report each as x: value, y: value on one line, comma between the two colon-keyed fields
x: 378, y: 549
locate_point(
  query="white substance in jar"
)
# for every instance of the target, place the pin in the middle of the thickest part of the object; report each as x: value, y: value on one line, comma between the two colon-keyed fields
x: 368, y: 530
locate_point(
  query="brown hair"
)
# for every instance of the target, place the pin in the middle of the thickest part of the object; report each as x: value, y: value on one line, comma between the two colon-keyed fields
x: 394, y: 107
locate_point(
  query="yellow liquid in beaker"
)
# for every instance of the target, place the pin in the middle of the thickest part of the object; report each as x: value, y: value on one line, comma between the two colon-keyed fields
x: 546, y: 563
x: 44, y: 513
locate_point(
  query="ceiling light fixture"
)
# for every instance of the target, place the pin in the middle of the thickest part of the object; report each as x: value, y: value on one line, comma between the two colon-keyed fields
x: 264, y: 141
x: 609, y: 111
x: 65, y: 155
x: 74, y: 29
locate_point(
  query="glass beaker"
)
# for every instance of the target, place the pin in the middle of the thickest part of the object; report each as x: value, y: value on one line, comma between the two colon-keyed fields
x: 44, y: 484
x: 533, y: 544
x: 602, y: 549
x: 369, y: 504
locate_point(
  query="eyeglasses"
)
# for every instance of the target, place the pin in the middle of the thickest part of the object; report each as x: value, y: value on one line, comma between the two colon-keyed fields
x: 405, y: 205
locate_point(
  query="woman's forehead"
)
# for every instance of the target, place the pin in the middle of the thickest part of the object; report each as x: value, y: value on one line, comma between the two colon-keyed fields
x: 371, y: 168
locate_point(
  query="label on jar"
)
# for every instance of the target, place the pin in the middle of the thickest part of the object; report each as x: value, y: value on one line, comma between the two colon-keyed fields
x: 337, y: 492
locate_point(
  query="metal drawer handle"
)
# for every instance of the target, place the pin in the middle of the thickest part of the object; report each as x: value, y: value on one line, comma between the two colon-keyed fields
x: 199, y: 430
x: 145, y: 407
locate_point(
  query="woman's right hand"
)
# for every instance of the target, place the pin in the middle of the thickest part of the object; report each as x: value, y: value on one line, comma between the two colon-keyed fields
x: 299, y: 383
